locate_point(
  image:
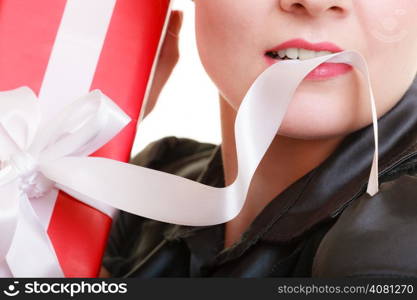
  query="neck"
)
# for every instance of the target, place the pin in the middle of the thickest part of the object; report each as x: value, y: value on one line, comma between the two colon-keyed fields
x: 286, y: 161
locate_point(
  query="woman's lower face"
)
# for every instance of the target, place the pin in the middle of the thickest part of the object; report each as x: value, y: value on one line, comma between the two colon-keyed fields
x: 238, y: 40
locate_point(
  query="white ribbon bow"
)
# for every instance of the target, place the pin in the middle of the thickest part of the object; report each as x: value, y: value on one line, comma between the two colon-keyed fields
x: 28, y: 144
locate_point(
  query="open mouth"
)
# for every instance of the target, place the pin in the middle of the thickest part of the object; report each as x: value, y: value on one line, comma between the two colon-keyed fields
x: 296, y: 53
x: 300, y: 49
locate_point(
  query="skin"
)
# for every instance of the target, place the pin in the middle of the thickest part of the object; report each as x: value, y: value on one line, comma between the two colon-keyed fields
x: 232, y: 37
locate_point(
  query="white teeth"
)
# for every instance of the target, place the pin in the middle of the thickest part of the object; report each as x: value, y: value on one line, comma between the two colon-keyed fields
x: 323, y: 53
x: 301, y: 54
x: 292, y: 53
x: 306, y: 54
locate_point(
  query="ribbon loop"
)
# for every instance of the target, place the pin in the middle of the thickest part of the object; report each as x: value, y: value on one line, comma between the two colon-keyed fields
x: 20, y: 117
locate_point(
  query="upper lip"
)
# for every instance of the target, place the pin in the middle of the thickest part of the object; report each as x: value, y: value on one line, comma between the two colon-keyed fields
x: 303, y: 44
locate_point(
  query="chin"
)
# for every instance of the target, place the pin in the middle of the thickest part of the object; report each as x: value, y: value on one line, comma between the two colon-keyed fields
x: 314, y: 116
x: 306, y: 131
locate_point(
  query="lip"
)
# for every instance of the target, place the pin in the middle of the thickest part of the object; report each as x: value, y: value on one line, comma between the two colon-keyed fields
x: 301, y: 43
x: 322, y: 72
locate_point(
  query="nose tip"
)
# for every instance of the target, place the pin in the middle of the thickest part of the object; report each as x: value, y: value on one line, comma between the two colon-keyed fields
x: 313, y: 7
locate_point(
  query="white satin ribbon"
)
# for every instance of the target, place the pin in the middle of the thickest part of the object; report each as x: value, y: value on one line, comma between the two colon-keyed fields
x: 173, y: 199
x: 177, y: 200
x: 27, y: 145
x: 37, y: 156
x: 75, y: 53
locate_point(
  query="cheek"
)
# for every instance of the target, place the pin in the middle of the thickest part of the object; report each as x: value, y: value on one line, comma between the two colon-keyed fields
x: 391, y: 27
x: 226, y: 40
x: 389, y: 21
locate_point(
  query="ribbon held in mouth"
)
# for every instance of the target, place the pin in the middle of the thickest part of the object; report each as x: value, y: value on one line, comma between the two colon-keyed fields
x: 168, y: 198
x: 173, y: 199
x: 40, y: 152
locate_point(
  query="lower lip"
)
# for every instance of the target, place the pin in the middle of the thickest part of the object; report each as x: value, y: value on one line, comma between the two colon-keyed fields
x: 324, y: 71
x: 328, y: 70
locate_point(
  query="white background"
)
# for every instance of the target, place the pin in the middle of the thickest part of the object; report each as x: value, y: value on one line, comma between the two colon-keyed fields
x: 188, y: 104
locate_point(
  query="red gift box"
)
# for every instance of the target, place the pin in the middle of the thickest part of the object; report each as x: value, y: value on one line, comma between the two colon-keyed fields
x: 28, y: 30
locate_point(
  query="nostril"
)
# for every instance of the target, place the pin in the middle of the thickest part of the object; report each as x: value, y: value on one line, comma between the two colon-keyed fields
x: 336, y: 9
x: 313, y: 8
x: 298, y: 6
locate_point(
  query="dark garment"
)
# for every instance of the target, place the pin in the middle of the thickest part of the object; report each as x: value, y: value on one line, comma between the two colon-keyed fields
x: 322, y: 225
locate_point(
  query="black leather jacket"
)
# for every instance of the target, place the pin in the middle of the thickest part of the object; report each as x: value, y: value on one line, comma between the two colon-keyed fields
x: 322, y: 225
